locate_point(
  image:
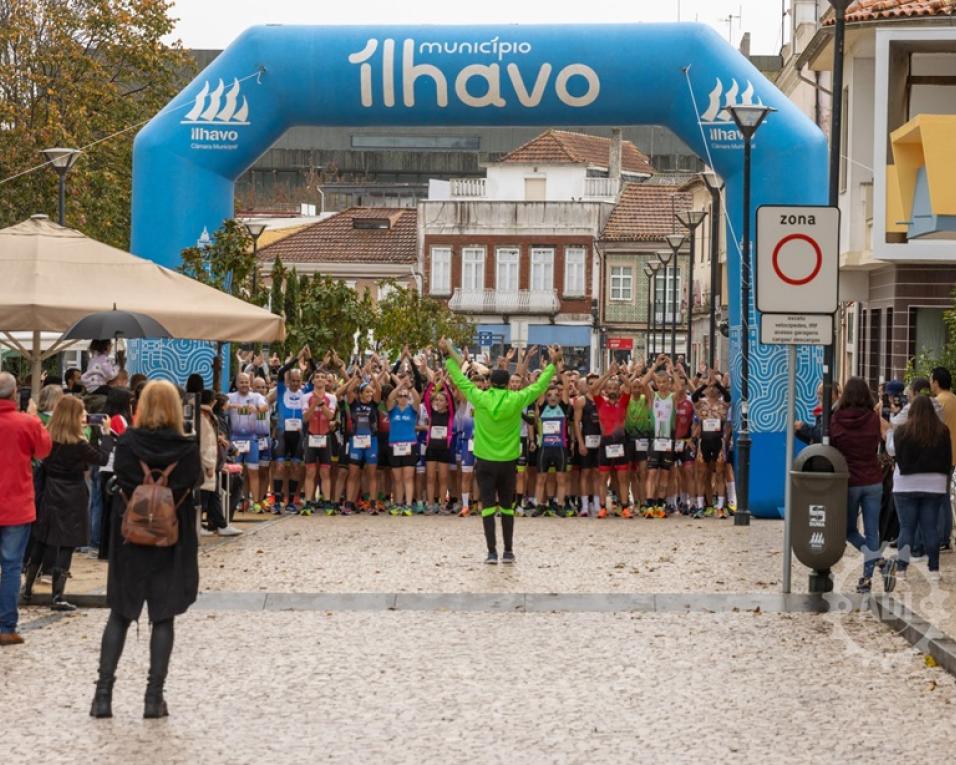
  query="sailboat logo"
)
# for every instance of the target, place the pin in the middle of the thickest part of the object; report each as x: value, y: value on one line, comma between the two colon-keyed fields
x: 721, y: 99
x: 218, y: 107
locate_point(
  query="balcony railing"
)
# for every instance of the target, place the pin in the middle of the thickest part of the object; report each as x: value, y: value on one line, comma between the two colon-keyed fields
x: 495, y: 301
x: 601, y: 188
x: 468, y: 188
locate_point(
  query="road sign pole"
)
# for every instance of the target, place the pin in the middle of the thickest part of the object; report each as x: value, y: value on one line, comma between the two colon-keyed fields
x: 787, y: 510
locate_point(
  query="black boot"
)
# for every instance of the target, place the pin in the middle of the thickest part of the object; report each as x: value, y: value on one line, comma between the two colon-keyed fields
x: 59, y: 584
x: 111, y: 648
x: 31, y: 571
x: 160, y: 649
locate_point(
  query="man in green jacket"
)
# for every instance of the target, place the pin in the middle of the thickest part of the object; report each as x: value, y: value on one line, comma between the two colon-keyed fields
x: 498, y: 441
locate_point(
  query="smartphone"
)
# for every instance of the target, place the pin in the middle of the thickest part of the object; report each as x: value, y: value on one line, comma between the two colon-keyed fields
x: 24, y: 399
x: 96, y: 420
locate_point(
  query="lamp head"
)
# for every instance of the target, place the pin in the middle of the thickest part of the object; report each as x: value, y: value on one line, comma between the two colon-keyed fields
x: 664, y: 256
x: 61, y: 158
x: 255, y: 230
x: 675, y: 241
x: 691, y: 219
x: 749, y: 117
x: 655, y: 266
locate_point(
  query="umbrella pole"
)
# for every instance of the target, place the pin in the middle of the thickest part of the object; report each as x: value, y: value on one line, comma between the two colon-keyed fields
x: 36, y: 357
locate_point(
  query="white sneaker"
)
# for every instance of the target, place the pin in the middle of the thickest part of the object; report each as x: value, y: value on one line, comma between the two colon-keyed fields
x: 229, y: 531
x: 205, y: 533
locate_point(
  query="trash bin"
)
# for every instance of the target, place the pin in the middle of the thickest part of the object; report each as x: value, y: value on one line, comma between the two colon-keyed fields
x: 818, y: 485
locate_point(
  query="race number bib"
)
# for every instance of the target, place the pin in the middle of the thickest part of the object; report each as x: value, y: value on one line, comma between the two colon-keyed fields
x: 551, y: 427
x: 662, y: 444
x: 318, y: 442
x: 264, y: 444
x: 242, y: 447
x: 293, y: 425
x: 471, y: 445
x: 711, y: 425
x: 642, y: 444
x: 439, y: 431
x: 362, y: 442
x: 402, y: 450
x: 592, y: 442
x: 614, y: 451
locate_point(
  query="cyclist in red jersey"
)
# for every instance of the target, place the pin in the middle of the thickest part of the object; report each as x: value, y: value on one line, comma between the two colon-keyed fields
x: 612, y: 394
x: 685, y: 445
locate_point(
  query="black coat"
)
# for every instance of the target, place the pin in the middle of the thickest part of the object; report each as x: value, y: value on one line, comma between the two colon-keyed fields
x: 165, y: 578
x: 63, y: 505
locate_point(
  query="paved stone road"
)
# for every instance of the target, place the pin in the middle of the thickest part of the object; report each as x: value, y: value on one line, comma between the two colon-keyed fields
x: 398, y: 687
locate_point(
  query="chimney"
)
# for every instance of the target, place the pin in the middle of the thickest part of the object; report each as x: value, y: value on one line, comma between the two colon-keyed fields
x: 614, y: 160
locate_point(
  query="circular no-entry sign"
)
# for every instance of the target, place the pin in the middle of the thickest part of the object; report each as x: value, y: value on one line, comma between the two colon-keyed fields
x: 787, y: 274
x: 798, y: 259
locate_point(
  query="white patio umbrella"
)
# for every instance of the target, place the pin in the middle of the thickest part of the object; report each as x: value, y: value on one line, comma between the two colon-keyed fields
x: 51, y: 277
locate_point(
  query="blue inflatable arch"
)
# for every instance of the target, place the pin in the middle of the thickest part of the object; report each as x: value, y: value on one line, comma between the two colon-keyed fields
x: 186, y: 160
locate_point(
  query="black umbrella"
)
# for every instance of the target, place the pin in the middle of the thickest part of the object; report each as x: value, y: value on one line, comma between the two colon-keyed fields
x: 107, y: 324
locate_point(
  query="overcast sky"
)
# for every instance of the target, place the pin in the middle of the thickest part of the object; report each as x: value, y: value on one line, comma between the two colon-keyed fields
x: 215, y: 23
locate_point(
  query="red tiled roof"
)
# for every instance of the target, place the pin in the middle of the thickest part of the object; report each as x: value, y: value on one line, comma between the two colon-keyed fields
x: 645, y: 213
x: 563, y: 147
x: 336, y: 240
x: 875, y: 10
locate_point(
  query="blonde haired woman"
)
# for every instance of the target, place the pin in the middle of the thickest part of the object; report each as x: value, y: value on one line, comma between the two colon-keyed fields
x: 165, y: 579
x: 63, y: 522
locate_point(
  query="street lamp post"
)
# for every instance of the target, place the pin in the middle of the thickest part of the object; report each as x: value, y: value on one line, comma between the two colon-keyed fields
x: 748, y: 119
x: 255, y: 231
x: 675, y: 242
x: 710, y: 181
x: 664, y: 256
x: 836, y: 135
x: 650, y: 270
x: 691, y: 219
x: 62, y: 161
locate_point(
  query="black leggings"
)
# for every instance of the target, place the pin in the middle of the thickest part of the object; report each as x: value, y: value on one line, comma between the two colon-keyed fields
x: 50, y: 557
x: 213, y: 506
x: 496, y: 483
x: 160, y: 647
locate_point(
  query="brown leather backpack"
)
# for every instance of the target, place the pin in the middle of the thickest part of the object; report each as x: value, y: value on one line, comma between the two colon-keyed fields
x: 150, y: 516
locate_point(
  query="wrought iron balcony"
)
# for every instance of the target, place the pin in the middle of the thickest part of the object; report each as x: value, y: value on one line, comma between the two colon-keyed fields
x: 496, y: 301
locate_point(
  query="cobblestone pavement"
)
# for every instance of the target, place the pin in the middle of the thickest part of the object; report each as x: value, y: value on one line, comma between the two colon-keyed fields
x: 393, y: 687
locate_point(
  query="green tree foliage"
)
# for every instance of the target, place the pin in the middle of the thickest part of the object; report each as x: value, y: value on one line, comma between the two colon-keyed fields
x: 333, y: 317
x: 407, y: 317
x: 277, y: 297
x: 73, y: 72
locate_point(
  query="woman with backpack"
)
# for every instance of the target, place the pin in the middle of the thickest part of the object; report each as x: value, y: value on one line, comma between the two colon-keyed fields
x: 63, y: 521
x: 154, y: 547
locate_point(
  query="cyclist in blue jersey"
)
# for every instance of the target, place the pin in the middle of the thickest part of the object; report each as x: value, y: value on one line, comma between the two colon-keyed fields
x: 402, y: 407
x: 290, y: 398
x: 362, y: 398
x: 244, y: 408
x: 554, y: 458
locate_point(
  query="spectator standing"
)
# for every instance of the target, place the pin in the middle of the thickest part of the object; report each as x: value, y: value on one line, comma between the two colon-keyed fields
x: 25, y: 439
x: 119, y: 409
x: 923, y: 452
x: 855, y: 431
x: 101, y: 369
x: 165, y: 579
x: 941, y: 383
x: 63, y: 521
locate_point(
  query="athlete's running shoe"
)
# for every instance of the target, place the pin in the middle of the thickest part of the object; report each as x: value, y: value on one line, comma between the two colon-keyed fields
x: 306, y: 510
x: 659, y: 512
x: 291, y: 508
x: 330, y: 509
x: 584, y: 514
x: 256, y: 509
x: 276, y: 509
x: 418, y: 508
x: 626, y: 513
x: 395, y: 510
x: 407, y: 511
x: 464, y: 512
x: 569, y: 511
x: 602, y: 513
x: 508, y: 558
x: 492, y: 559
x: 347, y: 508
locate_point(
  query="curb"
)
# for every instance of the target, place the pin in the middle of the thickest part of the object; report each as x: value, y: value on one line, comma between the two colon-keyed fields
x: 919, y: 633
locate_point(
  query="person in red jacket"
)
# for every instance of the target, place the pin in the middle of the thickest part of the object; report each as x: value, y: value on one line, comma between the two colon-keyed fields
x: 855, y: 431
x: 24, y: 440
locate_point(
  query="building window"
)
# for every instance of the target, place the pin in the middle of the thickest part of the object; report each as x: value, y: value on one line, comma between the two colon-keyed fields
x: 664, y: 305
x: 507, y: 278
x: 542, y: 268
x: 574, y: 270
x: 473, y: 268
x: 621, y: 284
x: 535, y: 189
x: 441, y: 271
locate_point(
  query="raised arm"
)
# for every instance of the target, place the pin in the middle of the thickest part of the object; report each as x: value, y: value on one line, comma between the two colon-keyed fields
x: 533, y: 391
